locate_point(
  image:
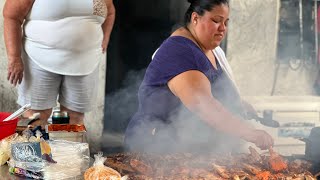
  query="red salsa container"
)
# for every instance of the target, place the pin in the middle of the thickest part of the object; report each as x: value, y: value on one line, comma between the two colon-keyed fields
x: 7, y: 128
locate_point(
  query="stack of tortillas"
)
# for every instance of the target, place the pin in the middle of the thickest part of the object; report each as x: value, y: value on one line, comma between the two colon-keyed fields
x: 101, y: 172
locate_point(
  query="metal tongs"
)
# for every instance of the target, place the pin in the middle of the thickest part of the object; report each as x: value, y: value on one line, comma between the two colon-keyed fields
x: 265, y: 120
x: 18, y: 113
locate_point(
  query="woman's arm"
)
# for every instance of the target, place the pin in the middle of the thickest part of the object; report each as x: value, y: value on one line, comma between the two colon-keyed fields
x: 194, y: 90
x: 14, y: 13
x: 251, y: 113
x: 108, y: 24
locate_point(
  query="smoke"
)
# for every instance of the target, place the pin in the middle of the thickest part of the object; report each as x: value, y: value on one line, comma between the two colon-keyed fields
x: 119, y: 107
x: 183, y: 131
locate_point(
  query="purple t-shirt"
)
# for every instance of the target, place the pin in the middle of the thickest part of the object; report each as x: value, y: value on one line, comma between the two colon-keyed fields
x: 176, y: 55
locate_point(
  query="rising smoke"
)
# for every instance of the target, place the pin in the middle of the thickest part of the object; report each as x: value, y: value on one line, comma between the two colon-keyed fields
x: 181, y: 132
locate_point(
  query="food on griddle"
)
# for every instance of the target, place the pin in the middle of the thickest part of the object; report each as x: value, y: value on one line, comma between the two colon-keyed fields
x: 140, y: 166
x: 277, y: 163
x: 255, y: 155
x: 221, y: 171
x: 295, y: 165
x: 183, y: 166
x: 251, y: 168
x: 264, y: 175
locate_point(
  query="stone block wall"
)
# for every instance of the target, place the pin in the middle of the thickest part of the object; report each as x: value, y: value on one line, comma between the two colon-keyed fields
x: 252, y: 49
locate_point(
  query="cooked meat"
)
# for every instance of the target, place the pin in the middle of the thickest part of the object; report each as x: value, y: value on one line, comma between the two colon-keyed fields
x: 254, y: 155
x: 222, y: 171
x: 141, y: 167
x: 205, y: 167
x: 277, y: 163
x: 251, y: 169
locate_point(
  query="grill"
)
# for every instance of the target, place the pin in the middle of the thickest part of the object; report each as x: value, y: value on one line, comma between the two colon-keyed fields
x: 187, y: 166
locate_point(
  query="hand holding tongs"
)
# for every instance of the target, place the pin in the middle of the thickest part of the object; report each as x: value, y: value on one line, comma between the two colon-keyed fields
x: 18, y: 112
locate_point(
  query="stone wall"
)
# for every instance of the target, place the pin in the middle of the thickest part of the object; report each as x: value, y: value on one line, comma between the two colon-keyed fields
x: 252, y: 48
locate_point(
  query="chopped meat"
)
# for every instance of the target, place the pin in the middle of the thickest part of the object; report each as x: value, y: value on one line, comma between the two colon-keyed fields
x: 264, y: 175
x: 251, y: 169
x: 299, y: 165
x: 140, y: 167
x: 221, y: 171
x: 183, y: 166
x: 276, y: 162
x: 255, y: 156
x: 118, y: 165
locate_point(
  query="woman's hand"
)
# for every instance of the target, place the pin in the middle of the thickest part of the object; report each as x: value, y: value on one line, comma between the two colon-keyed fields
x: 260, y: 138
x: 104, y: 44
x: 15, y: 70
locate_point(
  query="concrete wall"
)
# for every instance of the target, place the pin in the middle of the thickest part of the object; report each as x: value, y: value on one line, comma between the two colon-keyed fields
x: 252, y: 42
x: 8, y: 96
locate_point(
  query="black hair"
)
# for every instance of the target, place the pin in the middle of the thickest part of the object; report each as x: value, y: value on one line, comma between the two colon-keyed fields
x: 200, y: 6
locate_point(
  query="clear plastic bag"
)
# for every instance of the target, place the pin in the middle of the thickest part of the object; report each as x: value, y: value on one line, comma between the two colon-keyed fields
x: 73, y: 158
x: 5, y: 148
x: 101, y: 172
x: 57, y: 159
x: 32, y: 154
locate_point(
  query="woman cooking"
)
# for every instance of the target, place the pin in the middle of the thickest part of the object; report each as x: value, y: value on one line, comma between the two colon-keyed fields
x: 188, y: 101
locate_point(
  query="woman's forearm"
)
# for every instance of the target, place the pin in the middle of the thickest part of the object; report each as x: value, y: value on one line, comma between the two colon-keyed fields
x: 213, y: 112
x: 13, y: 38
x: 107, y: 26
x: 14, y: 13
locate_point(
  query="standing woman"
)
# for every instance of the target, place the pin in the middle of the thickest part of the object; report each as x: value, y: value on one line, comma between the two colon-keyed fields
x: 54, y: 49
x: 188, y: 100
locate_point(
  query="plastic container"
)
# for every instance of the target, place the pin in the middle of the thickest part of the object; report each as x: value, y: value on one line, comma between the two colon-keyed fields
x: 7, y: 128
x: 68, y: 132
x: 68, y: 136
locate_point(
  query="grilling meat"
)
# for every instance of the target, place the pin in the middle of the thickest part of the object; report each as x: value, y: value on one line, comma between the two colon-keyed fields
x: 254, y: 155
x: 222, y: 171
x: 277, y: 163
x: 251, y: 169
x: 140, y: 167
x: 184, y: 166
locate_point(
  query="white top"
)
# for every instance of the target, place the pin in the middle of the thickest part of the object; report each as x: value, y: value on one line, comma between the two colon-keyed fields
x: 65, y: 36
x: 221, y: 57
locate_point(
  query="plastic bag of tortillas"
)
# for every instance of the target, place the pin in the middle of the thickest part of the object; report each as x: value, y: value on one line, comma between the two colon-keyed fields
x: 101, y: 172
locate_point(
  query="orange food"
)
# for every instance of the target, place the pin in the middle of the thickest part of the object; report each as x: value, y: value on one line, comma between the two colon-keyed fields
x: 101, y: 173
x: 140, y: 167
x: 67, y: 127
x: 276, y: 162
x: 264, y: 175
